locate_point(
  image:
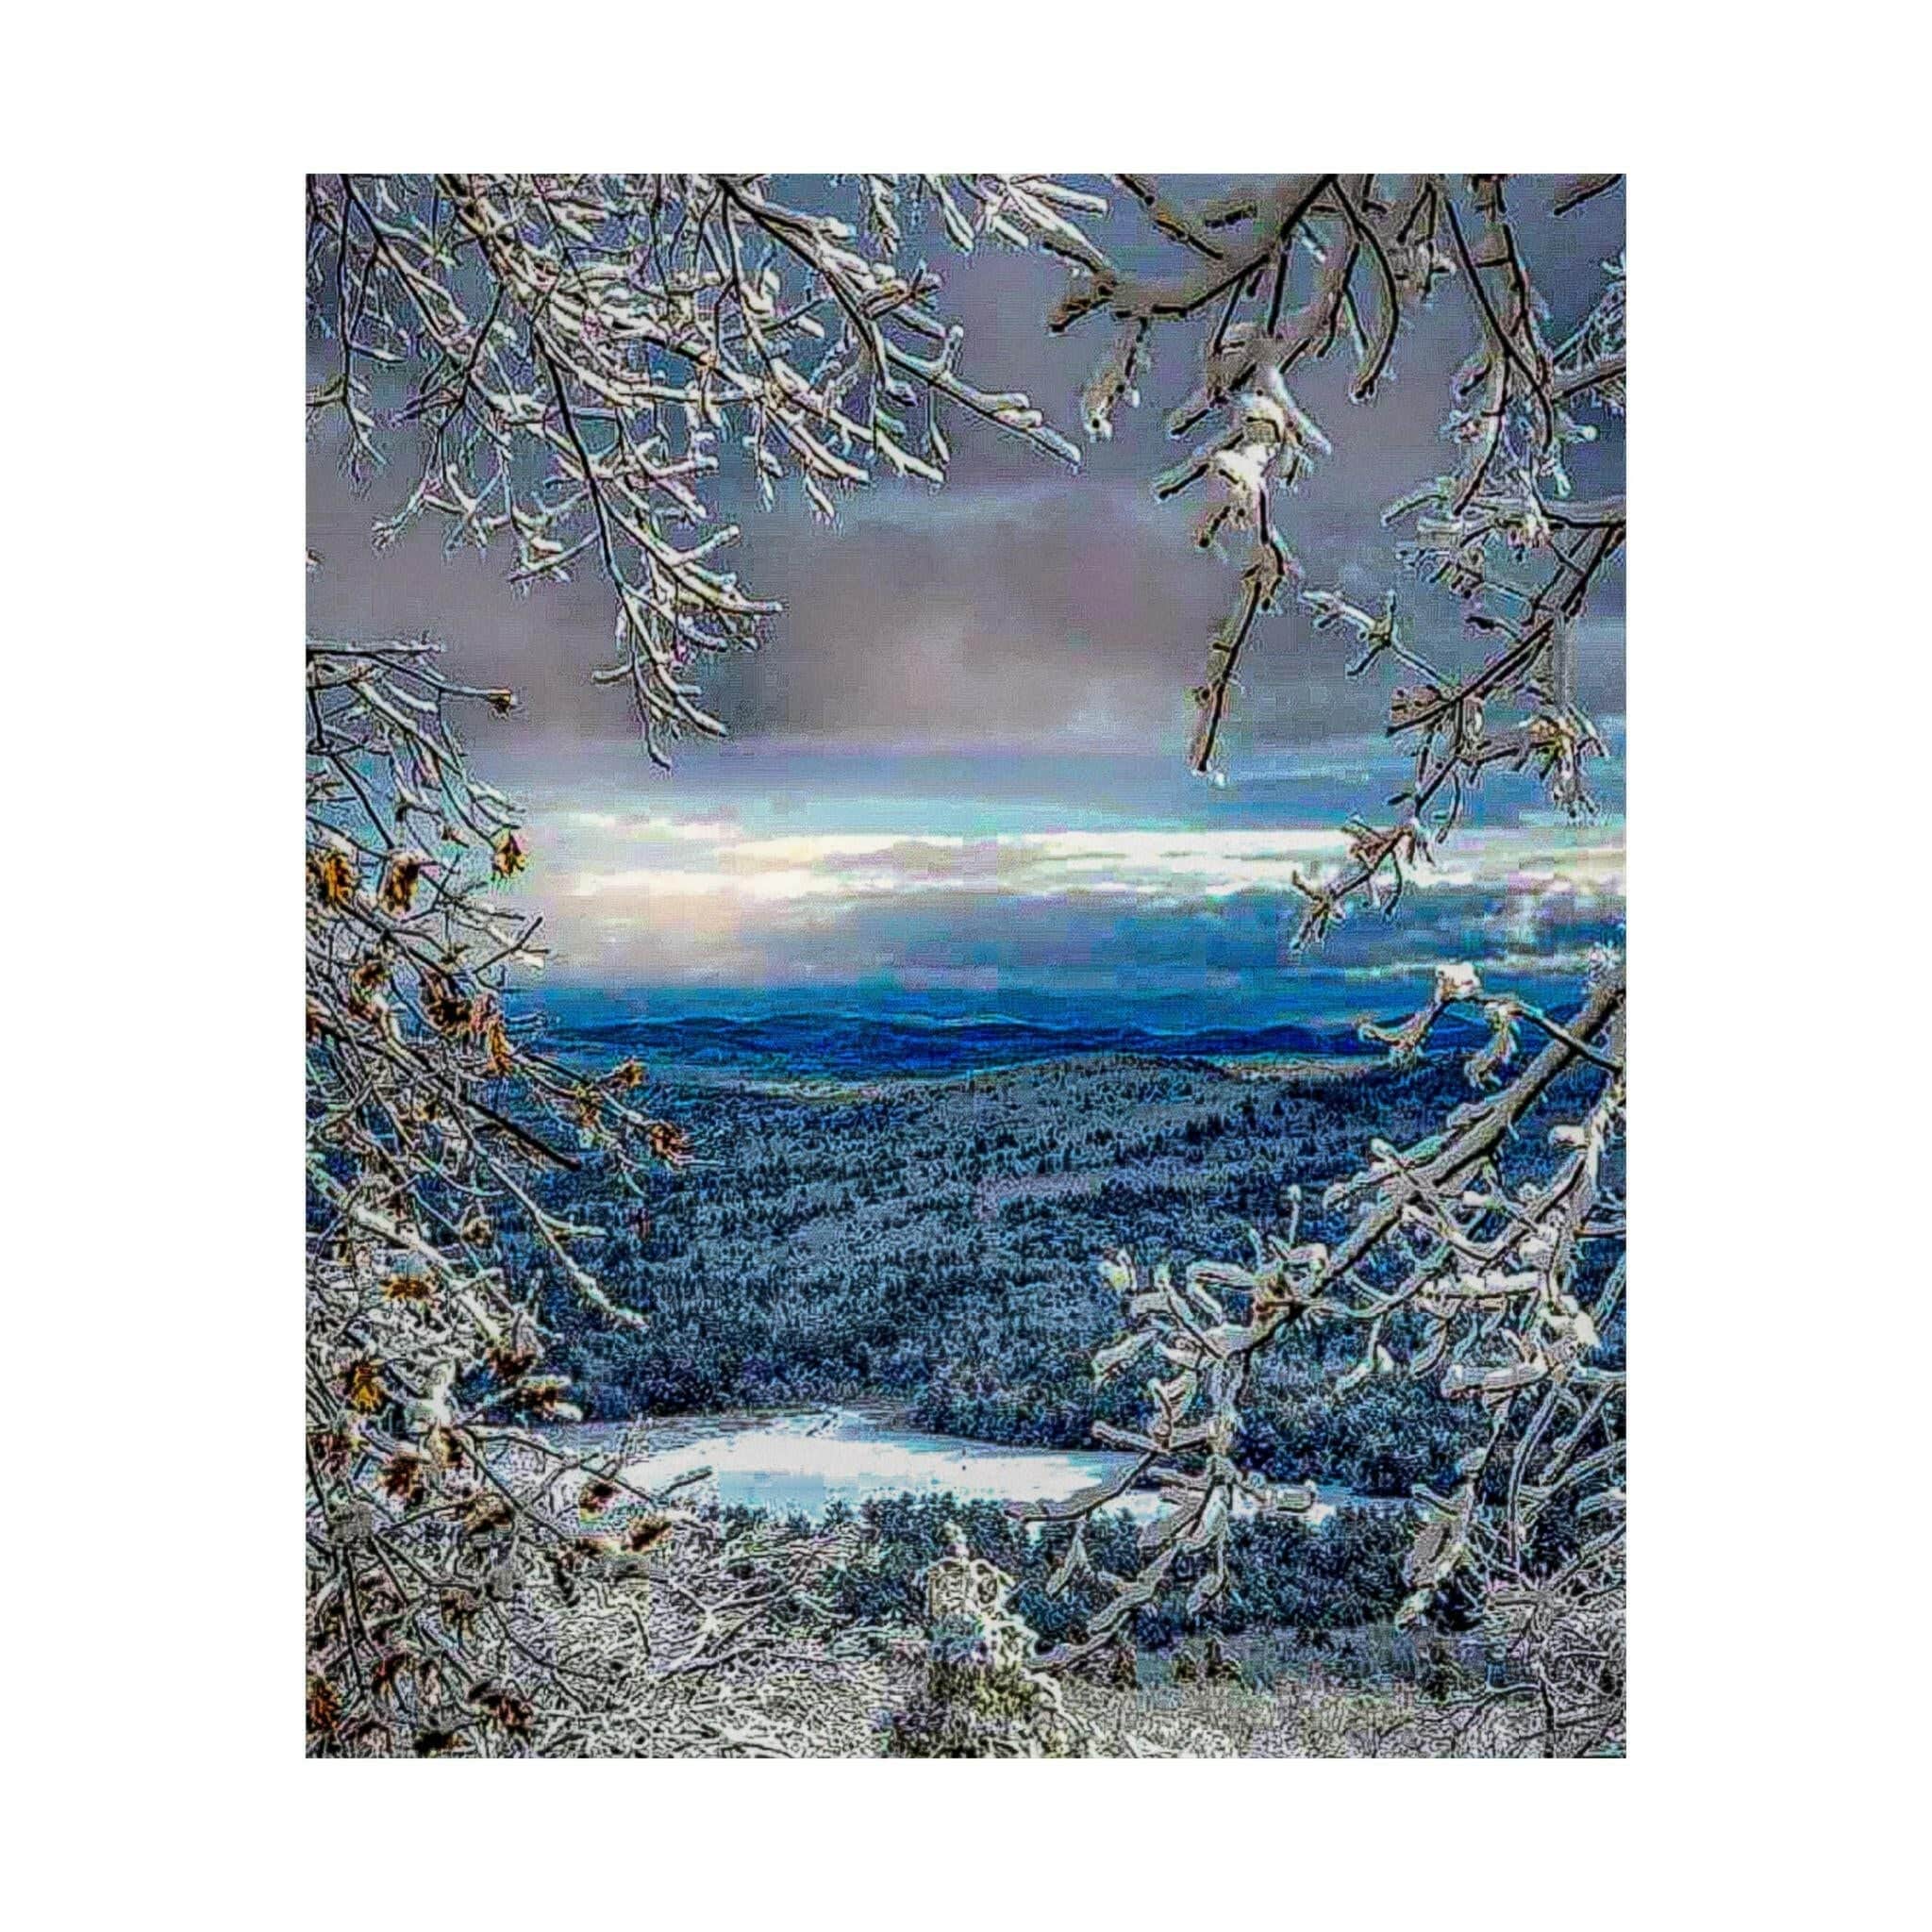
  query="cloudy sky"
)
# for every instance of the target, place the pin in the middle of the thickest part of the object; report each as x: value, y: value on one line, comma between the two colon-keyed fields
x: 957, y: 761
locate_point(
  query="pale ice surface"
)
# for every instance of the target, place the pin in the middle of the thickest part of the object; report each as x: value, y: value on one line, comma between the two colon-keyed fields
x: 802, y: 1462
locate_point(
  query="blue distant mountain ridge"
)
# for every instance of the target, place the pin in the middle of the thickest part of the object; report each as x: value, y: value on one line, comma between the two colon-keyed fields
x: 845, y: 1045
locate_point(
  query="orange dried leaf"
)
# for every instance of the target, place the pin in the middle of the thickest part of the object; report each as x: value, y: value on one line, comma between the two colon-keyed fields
x: 402, y: 1476
x: 447, y: 1005
x: 485, y: 1513
x: 325, y: 1708
x: 332, y: 878
x: 506, y: 1707
x: 399, y: 882
x: 510, y: 1362
x: 498, y: 1052
x: 643, y: 1533
x: 362, y: 1385
x: 387, y: 1671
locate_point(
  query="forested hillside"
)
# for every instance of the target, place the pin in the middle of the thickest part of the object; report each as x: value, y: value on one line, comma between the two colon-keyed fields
x: 933, y: 1241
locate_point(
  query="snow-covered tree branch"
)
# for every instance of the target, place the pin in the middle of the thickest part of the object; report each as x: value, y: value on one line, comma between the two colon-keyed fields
x: 1488, y: 1256
x: 578, y: 358
x: 570, y: 360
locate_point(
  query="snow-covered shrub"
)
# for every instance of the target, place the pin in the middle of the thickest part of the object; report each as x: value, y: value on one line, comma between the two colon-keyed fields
x: 980, y: 1696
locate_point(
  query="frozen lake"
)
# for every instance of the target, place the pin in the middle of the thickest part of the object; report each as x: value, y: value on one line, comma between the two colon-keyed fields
x: 801, y: 1462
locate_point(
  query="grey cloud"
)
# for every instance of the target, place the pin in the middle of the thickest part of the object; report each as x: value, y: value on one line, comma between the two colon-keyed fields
x: 1074, y: 935
x: 1243, y: 932
x: 1021, y: 604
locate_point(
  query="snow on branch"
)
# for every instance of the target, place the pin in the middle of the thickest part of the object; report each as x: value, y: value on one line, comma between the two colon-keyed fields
x: 577, y: 358
x: 1275, y: 280
x: 1500, y: 1288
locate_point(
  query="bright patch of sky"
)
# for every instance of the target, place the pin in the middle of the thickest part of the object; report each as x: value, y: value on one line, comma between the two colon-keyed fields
x: 1104, y: 879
